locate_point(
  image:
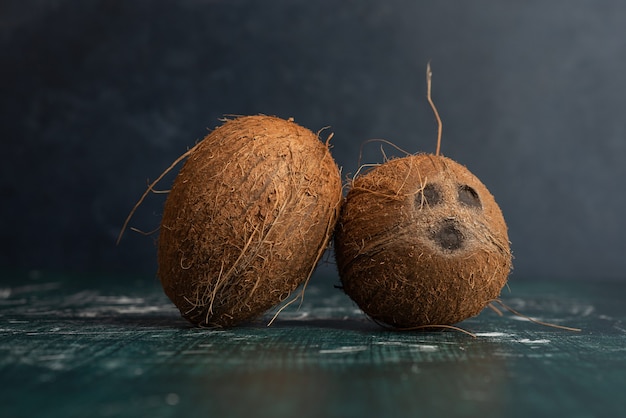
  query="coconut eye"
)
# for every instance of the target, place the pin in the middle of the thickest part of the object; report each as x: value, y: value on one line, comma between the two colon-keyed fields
x: 469, y: 197
x: 449, y: 236
x: 429, y: 195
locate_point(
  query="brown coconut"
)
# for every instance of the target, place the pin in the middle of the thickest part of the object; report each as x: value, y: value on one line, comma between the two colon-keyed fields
x: 421, y: 242
x: 248, y: 217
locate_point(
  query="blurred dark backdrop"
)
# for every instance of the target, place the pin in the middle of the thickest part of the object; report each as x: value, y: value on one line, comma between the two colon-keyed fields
x: 98, y: 97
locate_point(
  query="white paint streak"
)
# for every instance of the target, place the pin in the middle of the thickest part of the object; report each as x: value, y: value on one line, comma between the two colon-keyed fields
x: 413, y: 346
x: 389, y: 343
x: 529, y: 341
x: 125, y: 310
x: 172, y: 399
x: 119, y: 300
x: 426, y: 348
x: 43, y: 287
x: 298, y: 316
x: 524, y: 319
x: 344, y: 350
x: 619, y: 328
x: 138, y: 309
x: 492, y: 334
x: 588, y: 310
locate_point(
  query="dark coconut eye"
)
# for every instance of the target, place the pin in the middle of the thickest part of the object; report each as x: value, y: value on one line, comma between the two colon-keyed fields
x: 429, y: 195
x: 469, y: 197
x: 448, y: 236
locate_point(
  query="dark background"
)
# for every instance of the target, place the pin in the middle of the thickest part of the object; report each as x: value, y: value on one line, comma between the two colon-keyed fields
x: 97, y: 97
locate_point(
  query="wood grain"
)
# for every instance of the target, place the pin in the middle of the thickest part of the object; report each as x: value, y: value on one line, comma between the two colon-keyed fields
x: 115, y: 346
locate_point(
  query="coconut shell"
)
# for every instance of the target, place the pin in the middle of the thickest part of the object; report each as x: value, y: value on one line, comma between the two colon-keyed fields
x: 247, y: 219
x: 421, y: 242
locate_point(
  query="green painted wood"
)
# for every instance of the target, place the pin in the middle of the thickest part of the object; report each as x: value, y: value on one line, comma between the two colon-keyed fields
x: 98, y: 346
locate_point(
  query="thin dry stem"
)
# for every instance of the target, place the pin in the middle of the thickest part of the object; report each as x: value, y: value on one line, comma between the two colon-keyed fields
x: 384, y: 141
x: 285, y: 305
x: 151, y: 189
x: 145, y: 233
x: 491, y: 306
x: 382, y: 151
x: 396, y: 195
x: 429, y: 76
x: 423, y: 327
x: 521, y: 315
x: 361, y: 167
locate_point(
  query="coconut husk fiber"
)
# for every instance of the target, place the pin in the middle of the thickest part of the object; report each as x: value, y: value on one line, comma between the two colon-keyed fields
x: 248, y: 217
x: 421, y: 242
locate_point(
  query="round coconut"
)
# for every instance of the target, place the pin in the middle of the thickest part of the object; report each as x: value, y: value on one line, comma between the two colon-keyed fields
x: 248, y: 217
x: 421, y: 242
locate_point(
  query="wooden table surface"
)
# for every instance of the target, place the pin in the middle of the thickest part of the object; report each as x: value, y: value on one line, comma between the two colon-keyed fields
x: 98, y: 346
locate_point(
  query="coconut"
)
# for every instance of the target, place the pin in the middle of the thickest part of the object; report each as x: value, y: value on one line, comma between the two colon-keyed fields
x: 247, y: 219
x: 421, y: 242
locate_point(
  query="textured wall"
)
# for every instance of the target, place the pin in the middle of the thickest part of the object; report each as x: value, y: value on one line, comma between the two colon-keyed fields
x: 100, y: 96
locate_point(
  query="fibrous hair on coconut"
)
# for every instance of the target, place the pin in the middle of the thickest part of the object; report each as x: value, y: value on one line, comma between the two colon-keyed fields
x: 421, y: 242
x: 247, y: 219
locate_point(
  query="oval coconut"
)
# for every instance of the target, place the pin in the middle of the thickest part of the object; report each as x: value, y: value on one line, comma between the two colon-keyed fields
x: 247, y: 219
x: 421, y: 242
